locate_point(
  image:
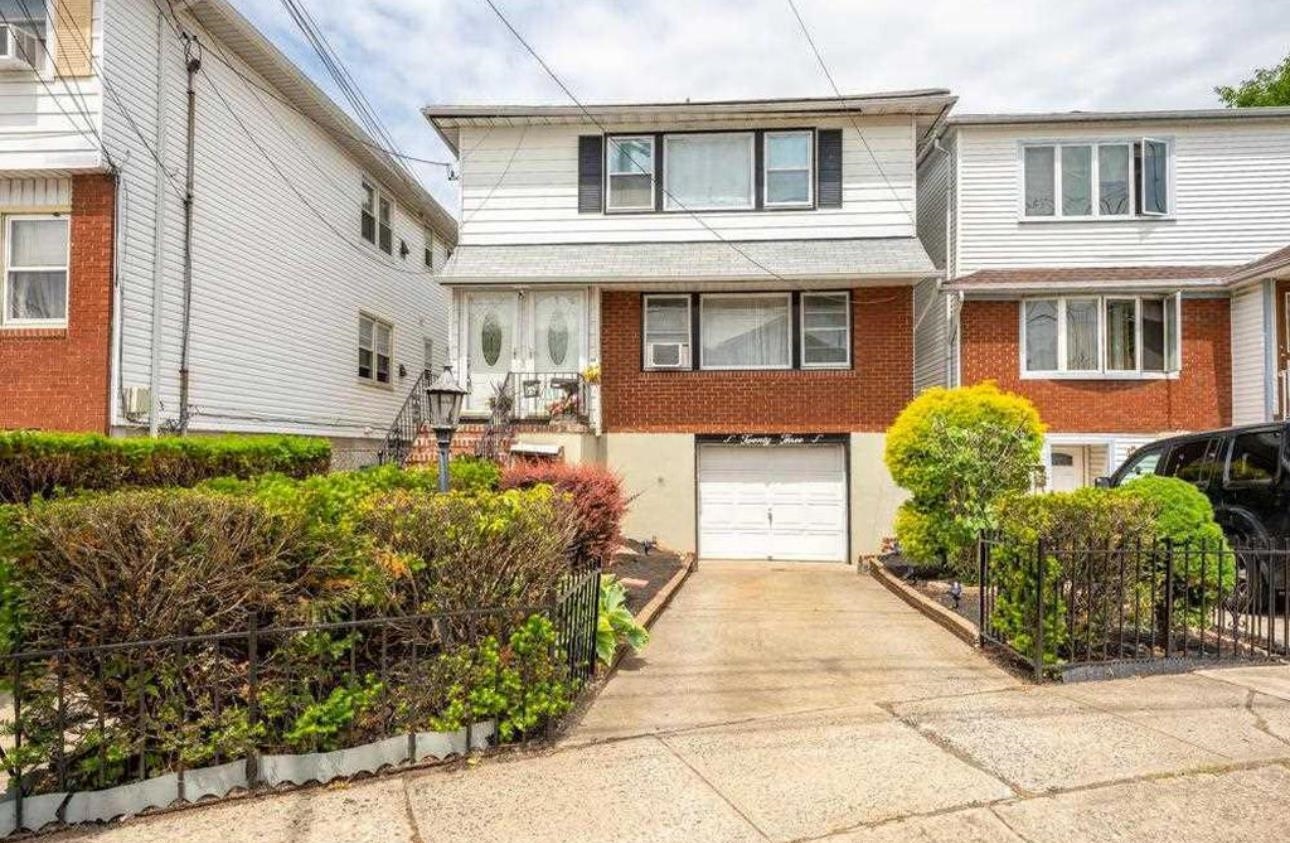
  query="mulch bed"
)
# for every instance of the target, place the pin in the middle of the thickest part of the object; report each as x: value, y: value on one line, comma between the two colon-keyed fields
x: 644, y: 574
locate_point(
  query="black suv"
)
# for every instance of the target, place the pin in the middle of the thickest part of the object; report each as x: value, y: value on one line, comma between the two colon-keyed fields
x: 1244, y: 471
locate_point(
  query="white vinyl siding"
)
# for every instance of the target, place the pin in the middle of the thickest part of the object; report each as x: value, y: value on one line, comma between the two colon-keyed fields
x: 934, y: 199
x: 1249, y: 361
x: 533, y: 198
x: 931, y: 328
x: 49, y: 123
x: 1229, y: 198
x: 276, y: 290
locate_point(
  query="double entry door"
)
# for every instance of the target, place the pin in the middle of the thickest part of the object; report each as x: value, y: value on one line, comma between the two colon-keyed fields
x: 537, y: 333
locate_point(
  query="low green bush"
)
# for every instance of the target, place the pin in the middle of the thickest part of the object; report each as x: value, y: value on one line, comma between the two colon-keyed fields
x: 1121, y: 551
x: 37, y: 464
x: 463, y: 551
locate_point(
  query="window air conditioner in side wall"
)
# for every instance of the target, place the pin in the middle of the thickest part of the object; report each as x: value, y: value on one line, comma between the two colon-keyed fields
x: 19, y: 48
x: 668, y: 355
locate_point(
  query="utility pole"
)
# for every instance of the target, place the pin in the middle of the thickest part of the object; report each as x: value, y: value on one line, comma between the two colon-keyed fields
x: 193, y: 60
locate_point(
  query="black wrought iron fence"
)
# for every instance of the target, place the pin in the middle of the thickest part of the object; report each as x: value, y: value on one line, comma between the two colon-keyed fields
x: 1079, y: 610
x: 99, y: 731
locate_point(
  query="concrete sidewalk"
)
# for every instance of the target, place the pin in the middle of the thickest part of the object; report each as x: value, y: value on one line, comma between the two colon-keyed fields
x: 781, y: 702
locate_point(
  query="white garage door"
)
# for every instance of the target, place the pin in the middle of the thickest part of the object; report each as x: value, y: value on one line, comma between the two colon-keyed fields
x: 773, y: 503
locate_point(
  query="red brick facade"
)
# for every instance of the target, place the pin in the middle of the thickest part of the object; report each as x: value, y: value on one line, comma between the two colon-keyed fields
x: 1200, y: 398
x: 866, y: 397
x: 57, y: 379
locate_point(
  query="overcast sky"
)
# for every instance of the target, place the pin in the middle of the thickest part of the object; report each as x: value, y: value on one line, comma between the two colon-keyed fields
x: 995, y: 55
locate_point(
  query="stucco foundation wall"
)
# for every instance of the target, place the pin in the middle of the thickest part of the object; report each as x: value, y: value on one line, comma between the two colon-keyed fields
x: 658, y: 474
x: 874, y: 495
x: 658, y: 469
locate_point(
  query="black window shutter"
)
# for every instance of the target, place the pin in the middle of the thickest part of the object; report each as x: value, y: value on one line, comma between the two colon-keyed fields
x: 828, y: 155
x: 591, y: 166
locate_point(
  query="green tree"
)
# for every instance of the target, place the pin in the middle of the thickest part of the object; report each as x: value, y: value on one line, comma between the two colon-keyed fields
x: 1269, y: 86
x: 957, y: 452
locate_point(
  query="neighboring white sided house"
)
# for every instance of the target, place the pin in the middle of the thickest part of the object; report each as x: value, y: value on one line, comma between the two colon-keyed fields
x: 312, y: 305
x: 1117, y: 268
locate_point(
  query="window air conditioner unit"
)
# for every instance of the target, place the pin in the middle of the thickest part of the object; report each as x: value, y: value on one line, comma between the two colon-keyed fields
x: 667, y: 355
x: 19, y: 48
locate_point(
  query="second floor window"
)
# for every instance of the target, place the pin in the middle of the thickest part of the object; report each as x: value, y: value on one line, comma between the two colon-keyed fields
x: 631, y: 173
x: 367, y: 214
x: 1107, y: 179
x: 385, y: 232
x: 788, y: 168
x: 708, y: 171
x: 1100, y: 336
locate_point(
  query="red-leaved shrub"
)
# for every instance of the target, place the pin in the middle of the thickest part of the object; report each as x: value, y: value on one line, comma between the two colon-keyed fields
x: 594, y: 493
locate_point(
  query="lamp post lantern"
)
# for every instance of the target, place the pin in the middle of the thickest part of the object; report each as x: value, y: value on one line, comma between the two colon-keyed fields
x: 445, y: 397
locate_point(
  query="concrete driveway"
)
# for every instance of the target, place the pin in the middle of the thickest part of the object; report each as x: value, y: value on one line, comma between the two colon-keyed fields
x: 794, y: 702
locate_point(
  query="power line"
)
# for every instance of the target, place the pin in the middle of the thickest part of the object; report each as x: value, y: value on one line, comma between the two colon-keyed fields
x: 680, y: 205
x: 838, y: 93
x: 92, y: 135
x: 112, y: 92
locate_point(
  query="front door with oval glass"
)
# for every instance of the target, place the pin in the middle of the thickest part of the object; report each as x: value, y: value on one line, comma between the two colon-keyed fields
x: 491, y: 320
x: 539, y: 337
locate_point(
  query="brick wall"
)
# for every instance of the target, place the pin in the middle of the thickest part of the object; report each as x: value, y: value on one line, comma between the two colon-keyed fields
x: 57, y: 379
x: 865, y: 398
x: 1200, y: 398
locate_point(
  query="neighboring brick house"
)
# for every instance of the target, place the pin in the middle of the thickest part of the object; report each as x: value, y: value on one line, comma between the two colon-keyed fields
x: 314, y: 307
x: 1096, y: 263
x: 717, y: 300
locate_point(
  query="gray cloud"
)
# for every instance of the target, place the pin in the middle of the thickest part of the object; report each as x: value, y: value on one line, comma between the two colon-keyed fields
x: 996, y: 55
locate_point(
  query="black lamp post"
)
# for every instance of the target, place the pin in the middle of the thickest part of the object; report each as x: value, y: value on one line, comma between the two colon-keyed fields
x: 445, y: 397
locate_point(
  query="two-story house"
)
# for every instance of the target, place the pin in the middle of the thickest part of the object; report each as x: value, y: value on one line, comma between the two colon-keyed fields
x: 1113, y: 267
x: 717, y: 300
x: 309, y: 303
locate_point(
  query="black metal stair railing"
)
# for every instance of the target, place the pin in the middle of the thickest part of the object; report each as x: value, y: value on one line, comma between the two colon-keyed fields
x: 402, y: 435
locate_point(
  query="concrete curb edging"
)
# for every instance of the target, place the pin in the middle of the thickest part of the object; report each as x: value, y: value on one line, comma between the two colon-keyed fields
x: 956, y: 625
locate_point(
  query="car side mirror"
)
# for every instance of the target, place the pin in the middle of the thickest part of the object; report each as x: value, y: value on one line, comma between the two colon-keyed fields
x: 1102, y: 482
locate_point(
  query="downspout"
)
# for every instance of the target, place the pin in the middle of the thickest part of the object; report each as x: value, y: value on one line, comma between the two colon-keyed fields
x: 158, y: 241
x: 193, y: 63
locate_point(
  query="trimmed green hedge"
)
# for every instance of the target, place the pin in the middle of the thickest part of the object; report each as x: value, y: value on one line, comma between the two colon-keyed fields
x: 36, y: 464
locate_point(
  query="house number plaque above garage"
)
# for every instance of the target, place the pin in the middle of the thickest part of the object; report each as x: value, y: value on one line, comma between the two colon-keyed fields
x: 770, y: 440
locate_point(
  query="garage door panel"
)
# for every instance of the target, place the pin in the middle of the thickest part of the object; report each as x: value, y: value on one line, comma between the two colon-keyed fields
x: 778, y: 503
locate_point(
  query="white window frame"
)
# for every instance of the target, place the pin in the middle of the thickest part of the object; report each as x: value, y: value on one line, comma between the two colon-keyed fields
x: 1169, y: 177
x: 802, y: 330
x: 767, y: 169
x: 689, y: 331
x: 672, y: 205
x: 66, y: 269
x: 610, y: 140
x: 1135, y: 180
x: 1103, y: 372
x: 377, y: 322
x: 788, y: 303
x: 369, y: 190
x: 384, y: 203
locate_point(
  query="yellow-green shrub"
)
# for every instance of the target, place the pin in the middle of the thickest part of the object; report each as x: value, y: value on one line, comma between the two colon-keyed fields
x: 957, y: 452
